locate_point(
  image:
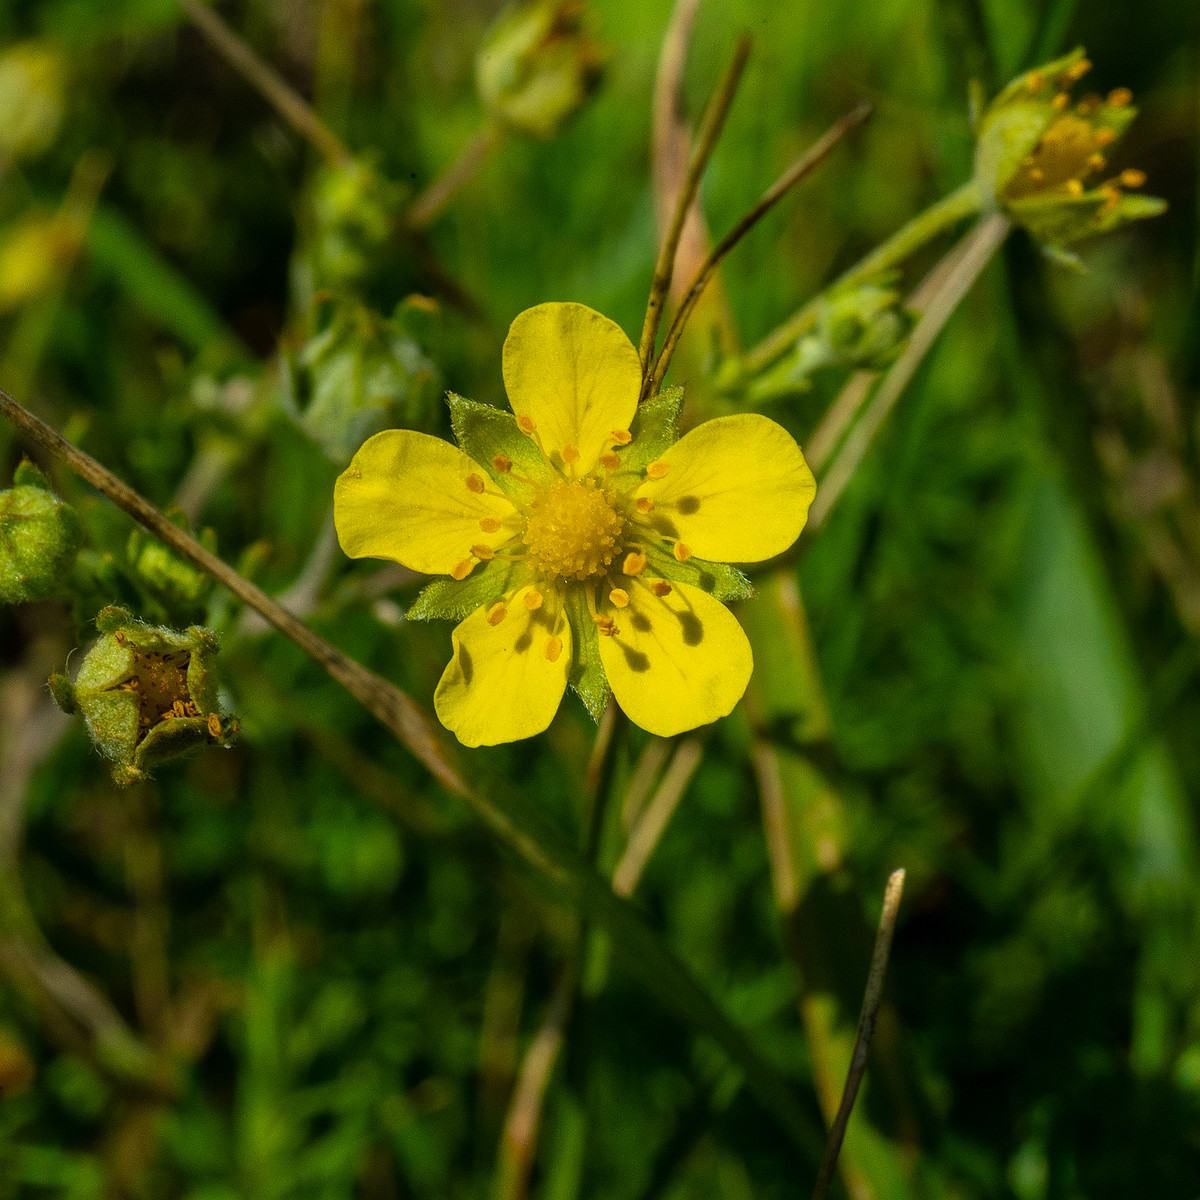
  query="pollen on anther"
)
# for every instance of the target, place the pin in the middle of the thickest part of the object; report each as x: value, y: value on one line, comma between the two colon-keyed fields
x: 570, y: 454
x: 1060, y: 101
x: 658, y: 469
x: 462, y: 569
x: 682, y: 552
x: 1078, y: 70
x: 645, y: 505
x: 634, y: 563
x: 496, y: 614
x: 619, y: 597
x: 621, y: 437
x: 526, y: 424
x: 502, y: 463
x: 1034, y: 81
x: 475, y: 483
x: 660, y: 588
x: 1119, y: 97
x: 533, y: 599
x: 1105, y: 137
x: 1074, y: 187
x: 214, y: 725
x: 610, y: 461
x: 483, y: 553
x: 490, y: 525
x: 1096, y: 161
x: 553, y: 648
x: 1131, y: 177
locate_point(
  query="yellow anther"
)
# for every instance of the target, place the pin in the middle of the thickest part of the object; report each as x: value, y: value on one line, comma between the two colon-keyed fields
x: 1060, y: 101
x: 526, y: 425
x: 533, y: 599
x: 1035, y: 81
x: 496, y: 614
x: 1077, y: 70
x: 682, y: 552
x: 489, y: 525
x: 214, y: 725
x: 1037, y: 174
x: 462, y: 569
x: 483, y: 553
x: 658, y: 469
x: 553, y: 648
x: 1119, y: 97
x: 660, y: 588
x: 1088, y: 105
x: 1131, y: 177
x: 608, y: 627
x: 1074, y: 187
x: 634, y: 563
x: 502, y: 463
x: 1096, y: 162
x: 475, y: 483
x: 1112, y: 197
x: 179, y: 709
x: 610, y: 461
x: 570, y: 454
x: 621, y: 437
x: 645, y: 505
x: 1105, y: 137
x: 619, y: 597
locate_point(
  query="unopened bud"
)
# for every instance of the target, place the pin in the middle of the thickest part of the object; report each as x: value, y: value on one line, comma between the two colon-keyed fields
x: 39, y: 538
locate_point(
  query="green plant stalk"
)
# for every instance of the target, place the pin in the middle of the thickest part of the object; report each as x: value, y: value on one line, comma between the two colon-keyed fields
x: 935, y: 220
x: 646, y: 954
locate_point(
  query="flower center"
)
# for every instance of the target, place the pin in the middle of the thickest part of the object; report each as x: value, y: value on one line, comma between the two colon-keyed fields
x: 574, y: 532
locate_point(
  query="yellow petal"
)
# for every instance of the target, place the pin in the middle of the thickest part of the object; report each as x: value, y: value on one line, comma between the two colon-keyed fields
x: 506, y: 679
x: 406, y: 496
x: 736, y: 489
x: 676, y: 661
x: 575, y: 374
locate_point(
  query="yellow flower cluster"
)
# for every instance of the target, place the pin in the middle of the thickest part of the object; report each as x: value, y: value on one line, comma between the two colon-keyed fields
x: 582, y: 541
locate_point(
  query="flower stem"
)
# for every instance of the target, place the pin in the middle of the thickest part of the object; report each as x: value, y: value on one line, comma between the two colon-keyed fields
x: 429, y: 204
x: 923, y: 228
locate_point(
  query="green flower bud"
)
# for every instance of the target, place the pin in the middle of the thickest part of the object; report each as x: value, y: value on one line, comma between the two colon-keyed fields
x: 32, y: 91
x: 354, y: 211
x: 537, y: 65
x: 357, y: 375
x: 147, y: 694
x: 177, y: 583
x: 39, y: 538
x: 1042, y: 160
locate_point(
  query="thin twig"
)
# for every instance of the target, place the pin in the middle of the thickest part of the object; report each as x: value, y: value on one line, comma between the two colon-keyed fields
x: 270, y: 84
x: 649, y: 830
x: 866, y: 1027
x: 646, y: 954
x: 429, y: 204
x: 706, y: 139
x: 979, y: 246
x: 806, y: 163
x: 645, y: 773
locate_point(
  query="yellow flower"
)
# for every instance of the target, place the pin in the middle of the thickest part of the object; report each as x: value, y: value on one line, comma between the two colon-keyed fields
x: 583, y: 543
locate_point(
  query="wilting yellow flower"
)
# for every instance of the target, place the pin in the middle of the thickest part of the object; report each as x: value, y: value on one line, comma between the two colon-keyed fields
x: 583, y: 542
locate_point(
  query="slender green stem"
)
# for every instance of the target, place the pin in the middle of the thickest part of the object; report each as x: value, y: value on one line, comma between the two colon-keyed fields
x: 711, y: 125
x: 267, y: 81
x: 936, y: 219
x: 872, y: 997
x: 804, y: 165
x: 519, y: 831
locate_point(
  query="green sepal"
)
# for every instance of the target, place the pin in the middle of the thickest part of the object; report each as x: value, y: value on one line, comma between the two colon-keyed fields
x: 454, y: 599
x: 483, y: 432
x: 719, y: 580
x: 654, y: 430
x: 1061, y: 220
x: 587, y: 676
x: 28, y: 474
x: 62, y: 692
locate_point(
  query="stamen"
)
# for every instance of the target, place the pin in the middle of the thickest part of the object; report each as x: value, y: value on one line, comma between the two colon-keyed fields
x: 214, y: 725
x: 619, y: 597
x: 490, y: 525
x: 502, y: 463
x: 1133, y: 178
x: 1104, y: 137
x: 1096, y: 162
x: 1060, y: 101
x: 1037, y: 174
x: 682, y: 553
x: 1074, y: 187
x: 483, y: 553
x: 570, y: 454
x: 1035, y: 81
x: 533, y: 600
x: 497, y: 613
x: 527, y: 425
x: 658, y: 469
x: 621, y: 437
x: 1119, y: 97
x: 1088, y: 105
x: 634, y: 564
x: 553, y: 648
x: 475, y: 483
x: 610, y: 461
x: 462, y: 569
x: 1078, y: 70
x: 645, y: 505
x: 659, y: 588
x: 1112, y: 197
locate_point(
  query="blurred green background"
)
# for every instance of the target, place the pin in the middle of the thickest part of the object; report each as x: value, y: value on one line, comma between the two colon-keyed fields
x: 296, y: 969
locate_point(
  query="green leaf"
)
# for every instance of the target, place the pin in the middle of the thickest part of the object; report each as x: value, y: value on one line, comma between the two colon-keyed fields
x: 719, y: 580
x: 453, y: 599
x: 587, y: 671
x: 484, y: 432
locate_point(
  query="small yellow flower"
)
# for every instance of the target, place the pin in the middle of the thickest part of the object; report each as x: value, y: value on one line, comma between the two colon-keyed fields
x: 561, y: 526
